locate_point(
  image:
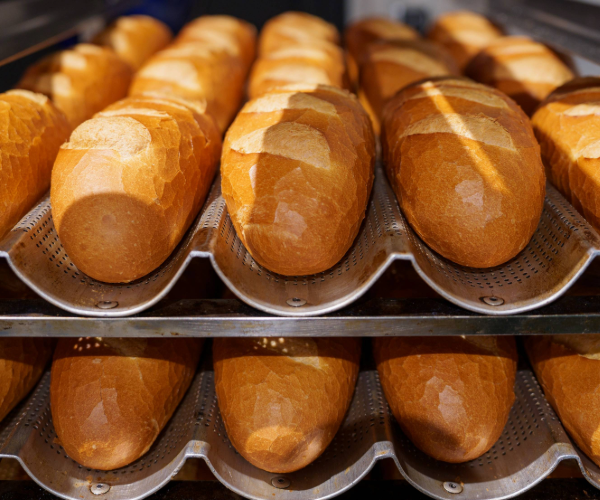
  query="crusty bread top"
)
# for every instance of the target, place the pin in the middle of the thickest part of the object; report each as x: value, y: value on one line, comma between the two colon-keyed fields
x: 135, y: 38
x: 295, y: 27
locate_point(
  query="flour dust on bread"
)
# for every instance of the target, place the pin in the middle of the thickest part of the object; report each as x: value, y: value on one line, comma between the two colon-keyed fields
x: 296, y: 174
x: 129, y: 183
x: 466, y: 168
x: 451, y: 395
x: 111, y: 397
x: 282, y: 400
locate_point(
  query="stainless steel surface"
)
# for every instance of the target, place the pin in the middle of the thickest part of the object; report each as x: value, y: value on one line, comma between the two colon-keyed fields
x: 562, y: 247
x: 531, y: 446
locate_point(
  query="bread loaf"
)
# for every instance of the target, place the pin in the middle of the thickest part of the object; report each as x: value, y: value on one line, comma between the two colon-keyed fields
x: 466, y: 168
x: 135, y: 38
x: 295, y: 28
x: 307, y: 63
x: 31, y: 132
x: 523, y: 69
x: 80, y: 81
x: 22, y: 362
x: 196, y: 70
x: 567, y: 125
x: 387, y: 67
x: 567, y: 369
x: 297, y: 170
x: 235, y: 36
x: 450, y: 395
x: 359, y: 35
x: 129, y: 183
x: 111, y: 397
x: 283, y: 400
x: 464, y: 34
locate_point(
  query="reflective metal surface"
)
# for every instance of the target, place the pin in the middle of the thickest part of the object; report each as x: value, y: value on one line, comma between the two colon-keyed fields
x: 531, y: 446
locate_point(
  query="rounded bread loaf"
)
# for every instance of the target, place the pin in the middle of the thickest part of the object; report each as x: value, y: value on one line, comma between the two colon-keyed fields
x: 296, y: 174
x: 319, y: 63
x: 295, y: 28
x: 466, y: 169
x: 233, y: 35
x: 450, y: 395
x: 129, y: 183
x: 80, y: 81
x: 567, y: 126
x: 360, y: 34
x: 196, y: 70
x: 567, y: 367
x: 525, y: 70
x: 31, y: 132
x: 111, y: 397
x: 135, y: 38
x: 463, y: 34
x: 282, y: 400
x: 22, y: 362
x: 388, y: 66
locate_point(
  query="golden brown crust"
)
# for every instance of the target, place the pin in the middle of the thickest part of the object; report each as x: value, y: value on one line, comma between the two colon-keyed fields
x: 360, y: 34
x: 80, y: 81
x: 129, y: 183
x: 297, y: 170
x: 388, y: 66
x: 135, y: 38
x: 110, y: 398
x: 571, y: 383
x: 567, y: 126
x: 466, y: 169
x: 22, y: 362
x: 295, y: 28
x: 525, y: 70
x: 463, y: 34
x: 283, y: 400
x: 450, y: 395
x: 229, y: 33
x: 32, y: 130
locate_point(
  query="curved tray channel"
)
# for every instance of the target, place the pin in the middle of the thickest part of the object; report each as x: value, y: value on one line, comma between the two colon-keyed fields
x: 531, y: 446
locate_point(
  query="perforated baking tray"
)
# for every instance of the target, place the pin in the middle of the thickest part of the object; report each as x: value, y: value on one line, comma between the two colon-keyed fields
x: 562, y: 247
x: 531, y: 446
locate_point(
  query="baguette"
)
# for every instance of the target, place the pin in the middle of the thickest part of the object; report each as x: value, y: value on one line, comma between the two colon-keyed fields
x: 80, y: 81
x: 22, y: 362
x: 306, y: 63
x: 135, y: 38
x: 283, y: 400
x: 233, y: 35
x: 567, y: 369
x: 295, y: 28
x: 525, y: 70
x: 386, y: 67
x: 359, y: 35
x: 129, y: 183
x: 450, y: 395
x: 463, y: 34
x: 33, y: 129
x: 111, y: 397
x: 466, y: 169
x: 196, y: 70
x: 297, y: 170
x: 567, y: 125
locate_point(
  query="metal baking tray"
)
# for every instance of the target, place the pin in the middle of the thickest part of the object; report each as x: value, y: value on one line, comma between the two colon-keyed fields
x: 531, y: 446
x: 562, y: 247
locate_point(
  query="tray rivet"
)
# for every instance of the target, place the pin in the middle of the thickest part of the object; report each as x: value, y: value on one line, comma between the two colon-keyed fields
x: 493, y: 301
x: 100, y: 488
x: 107, y: 304
x: 452, y: 487
x: 295, y: 302
x: 280, y: 482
